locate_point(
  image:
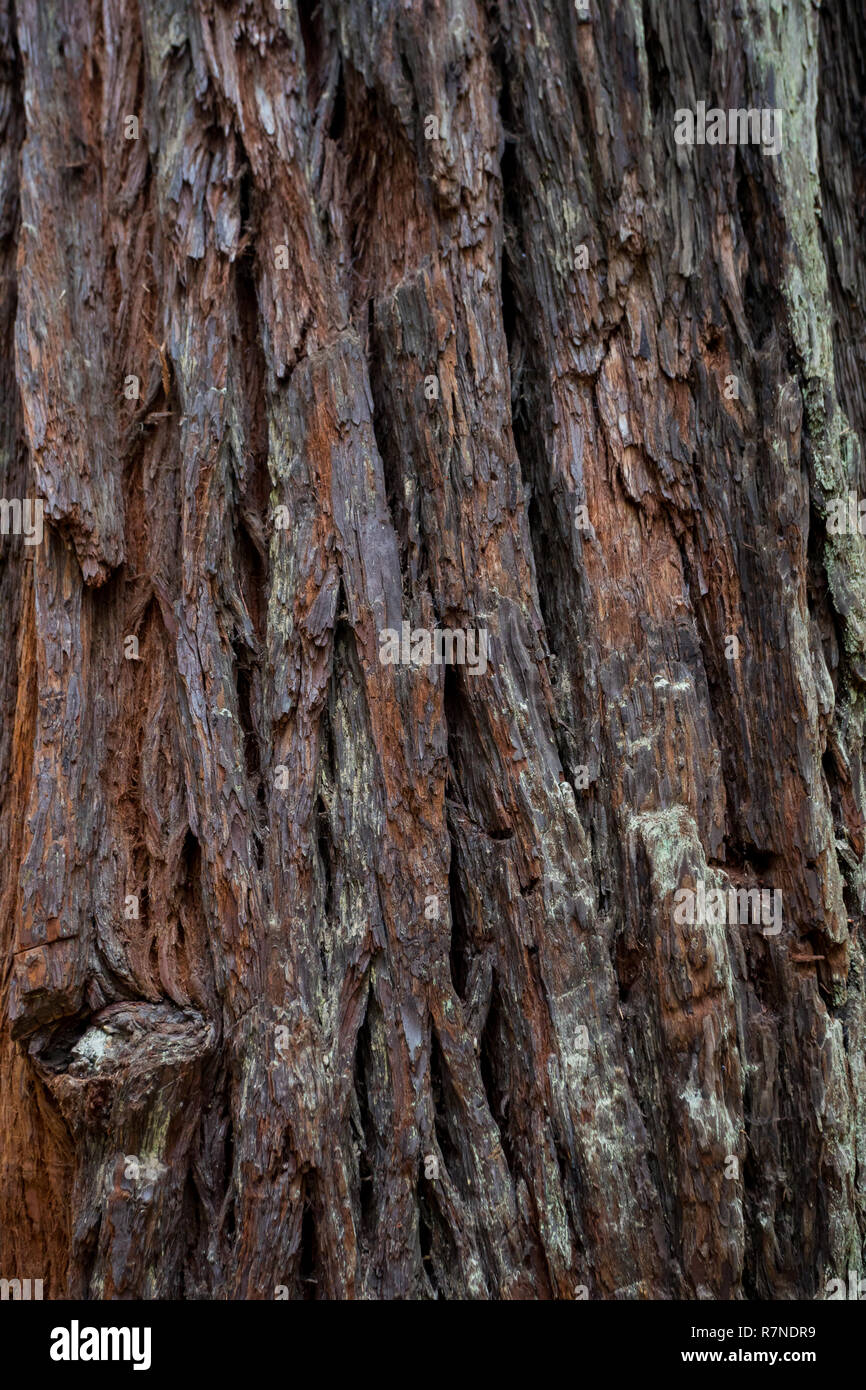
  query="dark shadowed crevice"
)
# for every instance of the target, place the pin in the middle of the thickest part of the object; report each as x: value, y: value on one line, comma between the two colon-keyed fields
x: 192, y: 936
x: 569, y: 1179
x: 469, y: 790
x: 247, y: 689
x: 253, y: 481
x: 193, y: 1226
x: 324, y: 830
x: 315, y: 39
x: 495, y: 1051
x: 227, y: 1222
x: 442, y: 1265
x: 364, y: 1127
x: 51, y: 1047
x: 659, y: 78
x: 439, y: 1258
x: 394, y: 470
x: 246, y: 697
x: 337, y: 122
x: 461, y: 945
x: 426, y: 1222
x: 630, y: 964
x: 325, y: 845
x: 308, y: 1259
x: 244, y: 689
x: 762, y: 305
x: 446, y: 1111
x: 249, y: 531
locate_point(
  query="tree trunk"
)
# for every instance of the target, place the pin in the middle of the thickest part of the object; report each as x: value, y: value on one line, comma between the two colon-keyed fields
x: 328, y: 972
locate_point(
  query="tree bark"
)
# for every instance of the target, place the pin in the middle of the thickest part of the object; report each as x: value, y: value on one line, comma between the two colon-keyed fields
x: 331, y: 977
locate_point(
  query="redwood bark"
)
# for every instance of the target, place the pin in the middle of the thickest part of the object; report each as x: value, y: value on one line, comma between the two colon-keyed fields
x: 331, y: 978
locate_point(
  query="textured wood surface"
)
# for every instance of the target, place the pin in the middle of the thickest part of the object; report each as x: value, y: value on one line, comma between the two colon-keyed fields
x: 405, y: 1010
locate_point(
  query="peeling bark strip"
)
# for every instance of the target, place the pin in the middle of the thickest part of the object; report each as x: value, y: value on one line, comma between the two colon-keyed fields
x: 440, y: 636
